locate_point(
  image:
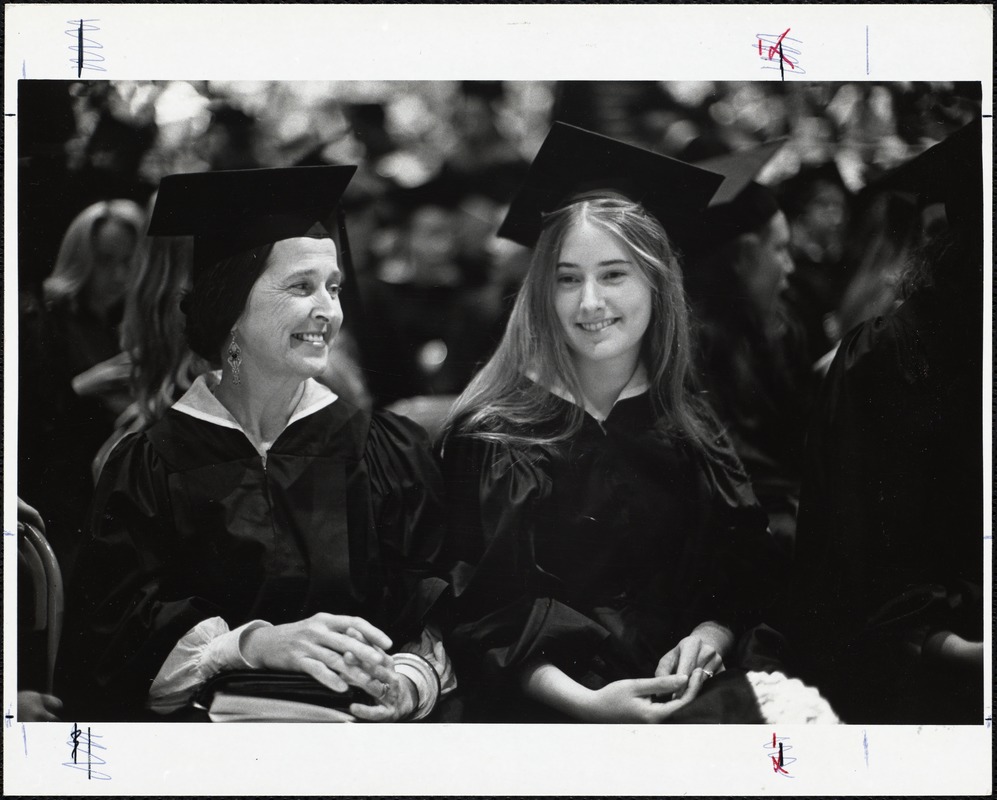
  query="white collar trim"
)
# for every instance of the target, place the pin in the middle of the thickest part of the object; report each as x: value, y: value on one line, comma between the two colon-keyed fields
x: 637, y: 385
x: 199, y: 401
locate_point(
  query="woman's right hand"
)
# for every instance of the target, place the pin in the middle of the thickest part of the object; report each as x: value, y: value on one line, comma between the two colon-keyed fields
x: 633, y: 700
x: 338, y: 651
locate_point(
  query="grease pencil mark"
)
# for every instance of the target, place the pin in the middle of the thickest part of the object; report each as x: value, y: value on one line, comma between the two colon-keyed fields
x: 83, y: 757
x: 83, y: 47
x: 771, y: 45
x: 778, y: 755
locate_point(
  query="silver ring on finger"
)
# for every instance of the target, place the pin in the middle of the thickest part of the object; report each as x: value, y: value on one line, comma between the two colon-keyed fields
x: 384, y: 690
x: 708, y: 673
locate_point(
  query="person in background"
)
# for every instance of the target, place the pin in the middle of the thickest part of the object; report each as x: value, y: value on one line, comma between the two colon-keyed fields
x: 753, y: 354
x: 74, y: 328
x: 886, y: 235
x: 155, y: 362
x: 818, y: 206
x: 887, y: 607
x: 230, y: 140
x: 85, y: 292
x: 604, y: 544
x: 428, y: 339
x: 263, y: 522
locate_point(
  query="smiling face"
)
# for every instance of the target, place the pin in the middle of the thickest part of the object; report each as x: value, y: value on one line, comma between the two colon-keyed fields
x: 601, y: 297
x: 293, y: 312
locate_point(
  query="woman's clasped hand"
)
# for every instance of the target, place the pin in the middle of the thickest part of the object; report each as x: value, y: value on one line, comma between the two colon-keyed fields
x: 339, y: 652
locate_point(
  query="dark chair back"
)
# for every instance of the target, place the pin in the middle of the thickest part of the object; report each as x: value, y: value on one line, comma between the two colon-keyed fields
x: 39, y: 560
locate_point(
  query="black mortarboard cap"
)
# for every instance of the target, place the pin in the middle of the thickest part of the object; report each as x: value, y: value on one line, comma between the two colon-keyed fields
x: 739, y: 169
x: 741, y: 205
x: 950, y: 172
x: 572, y: 161
x: 228, y: 212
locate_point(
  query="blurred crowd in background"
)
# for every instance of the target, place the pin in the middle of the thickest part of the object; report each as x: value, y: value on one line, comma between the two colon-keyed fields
x: 439, y: 161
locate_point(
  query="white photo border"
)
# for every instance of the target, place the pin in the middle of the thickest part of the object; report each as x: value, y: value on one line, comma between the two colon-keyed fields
x: 922, y: 42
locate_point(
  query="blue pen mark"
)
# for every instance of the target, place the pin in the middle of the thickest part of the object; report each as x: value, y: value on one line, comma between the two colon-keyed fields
x: 83, y: 757
x: 866, y: 49
x: 83, y: 47
x: 24, y: 69
x: 865, y: 747
x: 5, y: 531
x: 988, y: 720
x: 24, y: 735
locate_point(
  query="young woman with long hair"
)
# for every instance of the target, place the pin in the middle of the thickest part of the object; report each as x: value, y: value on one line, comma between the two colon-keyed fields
x: 604, y: 541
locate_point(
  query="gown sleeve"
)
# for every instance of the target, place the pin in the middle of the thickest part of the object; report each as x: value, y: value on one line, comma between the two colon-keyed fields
x: 888, y: 546
x: 407, y: 494
x: 121, y: 620
x: 407, y: 497
x: 501, y: 615
x: 749, y: 568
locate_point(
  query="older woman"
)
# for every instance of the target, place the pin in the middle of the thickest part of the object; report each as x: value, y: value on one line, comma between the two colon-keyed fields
x: 606, y: 546
x: 263, y: 522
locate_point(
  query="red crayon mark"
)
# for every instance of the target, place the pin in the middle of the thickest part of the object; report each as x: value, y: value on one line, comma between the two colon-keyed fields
x: 775, y: 48
x: 780, y: 760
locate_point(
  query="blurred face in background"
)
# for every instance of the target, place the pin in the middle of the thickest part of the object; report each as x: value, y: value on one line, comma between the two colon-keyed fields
x: 431, y: 237
x: 114, y: 244
x: 765, y: 264
x: 825, y: 216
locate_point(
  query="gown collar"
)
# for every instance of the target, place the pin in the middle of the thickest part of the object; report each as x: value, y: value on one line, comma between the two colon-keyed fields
x: 637, y: 385
x: 200, y: 402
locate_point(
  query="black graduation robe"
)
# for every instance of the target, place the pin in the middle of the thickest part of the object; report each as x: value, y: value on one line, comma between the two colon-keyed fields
x: 890, y: 538
x: 599, y: 554
x: 189, y: 524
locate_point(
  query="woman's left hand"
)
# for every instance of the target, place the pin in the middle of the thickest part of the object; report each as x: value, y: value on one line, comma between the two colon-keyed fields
x: 703, y: 650
x: 396, y: 703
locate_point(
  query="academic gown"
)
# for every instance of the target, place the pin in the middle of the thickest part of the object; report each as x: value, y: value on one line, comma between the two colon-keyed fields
x: 891, y: 518
x: 599, y: 554
x: 189, y: 524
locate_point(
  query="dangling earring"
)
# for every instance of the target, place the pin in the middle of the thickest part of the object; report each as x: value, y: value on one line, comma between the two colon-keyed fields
x: 234, y: 359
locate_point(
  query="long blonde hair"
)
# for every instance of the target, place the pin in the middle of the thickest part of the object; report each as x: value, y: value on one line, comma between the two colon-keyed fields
x: 75, y: 262
x: 499, y: 405
x: 152, y: 330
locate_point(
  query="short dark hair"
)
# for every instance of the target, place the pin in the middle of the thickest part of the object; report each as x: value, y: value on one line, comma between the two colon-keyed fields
x: 217, y: 298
